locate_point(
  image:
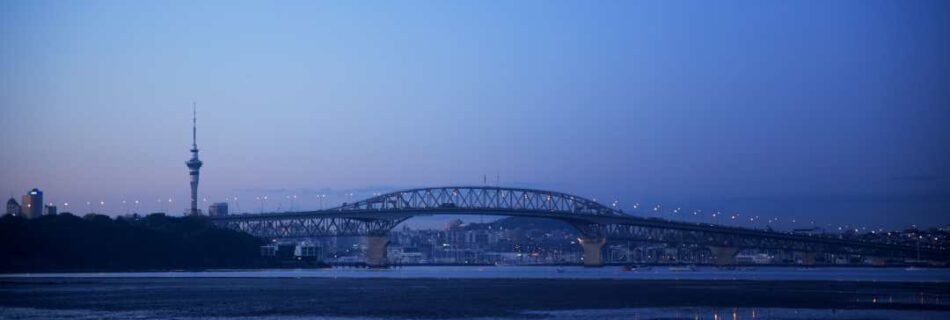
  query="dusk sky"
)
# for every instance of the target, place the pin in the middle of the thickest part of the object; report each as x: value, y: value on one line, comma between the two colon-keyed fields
x: 832, y: 111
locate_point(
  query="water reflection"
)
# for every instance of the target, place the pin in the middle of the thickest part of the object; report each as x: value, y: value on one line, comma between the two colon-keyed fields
x: 696, y: 313
x: 699, y: 313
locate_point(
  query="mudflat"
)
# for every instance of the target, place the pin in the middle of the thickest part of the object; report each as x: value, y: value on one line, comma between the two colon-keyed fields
x: 444, y: 298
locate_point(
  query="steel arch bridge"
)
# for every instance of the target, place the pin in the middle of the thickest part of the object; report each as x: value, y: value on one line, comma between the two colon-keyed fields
x: 376, y: 216
x: 482, y: 199
x: 379, y: 214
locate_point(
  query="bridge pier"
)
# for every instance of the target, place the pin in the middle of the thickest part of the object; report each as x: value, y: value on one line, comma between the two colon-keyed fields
x: 877, y: 261
x: 593, y: 250
x: 807, y: 257
x: 724, y: 256
x: 376, y: 251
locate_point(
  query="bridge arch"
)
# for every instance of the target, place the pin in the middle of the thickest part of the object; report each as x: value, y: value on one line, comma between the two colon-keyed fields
x: 482, y: 200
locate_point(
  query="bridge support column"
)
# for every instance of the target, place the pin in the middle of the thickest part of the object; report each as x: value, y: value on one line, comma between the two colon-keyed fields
x: 807, y: 258
x: 724, y: 256
x: 376, y: 251
x: 877, y: 261
x: 593, y: 250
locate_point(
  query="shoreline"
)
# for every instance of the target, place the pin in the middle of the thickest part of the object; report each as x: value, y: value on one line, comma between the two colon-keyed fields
x: 476, y: 265
x: 398, y: 266
x: 894, y: 275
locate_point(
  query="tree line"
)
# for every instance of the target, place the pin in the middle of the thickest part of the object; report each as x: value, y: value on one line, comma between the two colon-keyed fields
x: 96, y: 242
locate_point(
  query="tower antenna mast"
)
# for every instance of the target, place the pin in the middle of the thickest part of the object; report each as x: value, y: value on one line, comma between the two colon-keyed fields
x: 194, y: 125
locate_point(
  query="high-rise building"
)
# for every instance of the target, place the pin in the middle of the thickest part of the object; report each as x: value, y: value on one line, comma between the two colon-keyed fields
x: 32, y: 204
x: 49, y: 210
x: 194, y: 164
x: 218, y: 209
x: 13, y: 208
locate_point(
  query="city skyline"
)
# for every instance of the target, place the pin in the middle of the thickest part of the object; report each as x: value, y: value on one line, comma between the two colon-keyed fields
x: 96, y: 105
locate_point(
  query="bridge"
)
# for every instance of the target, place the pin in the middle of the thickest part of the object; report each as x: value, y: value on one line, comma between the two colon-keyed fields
x: 375, y: 217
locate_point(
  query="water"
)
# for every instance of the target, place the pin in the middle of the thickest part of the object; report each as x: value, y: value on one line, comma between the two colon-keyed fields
x: 934, y: 275
x: 504, y: 292
x: 595, y: 314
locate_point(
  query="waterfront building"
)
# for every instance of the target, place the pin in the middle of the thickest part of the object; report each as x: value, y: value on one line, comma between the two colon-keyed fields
x: 13, y: 208
x: 309, y: 251
x: 269, y: 250
x: 218, y: 209
x: 32, y: 204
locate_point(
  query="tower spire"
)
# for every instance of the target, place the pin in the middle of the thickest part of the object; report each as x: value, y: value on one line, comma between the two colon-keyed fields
x: 194, y: 125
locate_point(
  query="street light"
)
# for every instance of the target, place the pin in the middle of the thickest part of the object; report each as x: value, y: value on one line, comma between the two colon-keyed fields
x: 237, y: 205
x: 291, y: 199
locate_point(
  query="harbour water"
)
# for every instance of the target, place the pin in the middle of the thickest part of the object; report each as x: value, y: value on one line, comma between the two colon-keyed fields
x: 504, y: 292
x: 935, y: 275
x: 613, y: 314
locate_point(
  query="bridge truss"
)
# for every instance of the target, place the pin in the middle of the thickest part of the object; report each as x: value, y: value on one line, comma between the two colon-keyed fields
x: 377, y: 215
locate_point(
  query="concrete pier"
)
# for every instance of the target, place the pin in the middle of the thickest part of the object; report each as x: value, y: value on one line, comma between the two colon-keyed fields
x: 724, y: 256
x: 593, y: 251
x: 376, y: 251
x: 877, y: 261
x: 807, y: 258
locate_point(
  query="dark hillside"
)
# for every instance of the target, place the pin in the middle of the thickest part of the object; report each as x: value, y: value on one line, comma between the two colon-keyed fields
x: 96, y: 242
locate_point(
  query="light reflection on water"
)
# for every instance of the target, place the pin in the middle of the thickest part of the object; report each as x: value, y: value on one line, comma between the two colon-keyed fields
x: 695, y: 313
x: 738, y: 314
x: 544, y: 272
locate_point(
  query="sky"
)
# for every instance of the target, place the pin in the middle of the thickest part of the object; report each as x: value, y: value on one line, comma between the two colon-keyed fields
x: 829, y: 111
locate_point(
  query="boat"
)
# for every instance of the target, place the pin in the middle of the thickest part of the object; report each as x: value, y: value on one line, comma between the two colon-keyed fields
x: 682, y: 268
x: 628, y: 268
